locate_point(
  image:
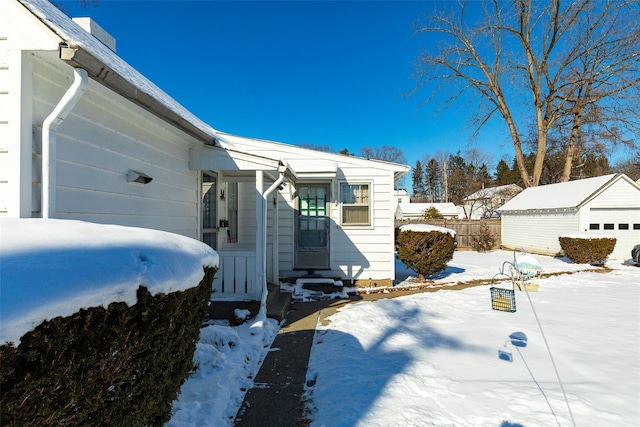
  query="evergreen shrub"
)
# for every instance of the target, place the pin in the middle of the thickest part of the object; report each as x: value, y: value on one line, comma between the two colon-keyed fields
x: 426, y: 252
x: 116, y: 366
x: 432, y: 213
x: 483, y: 241
x: 592, y: 250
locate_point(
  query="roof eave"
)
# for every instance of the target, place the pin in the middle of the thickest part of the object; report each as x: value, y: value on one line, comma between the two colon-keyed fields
x: 78, y: 57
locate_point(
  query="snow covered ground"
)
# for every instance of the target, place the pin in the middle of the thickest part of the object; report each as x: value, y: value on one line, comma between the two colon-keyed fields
x: 440, y: 358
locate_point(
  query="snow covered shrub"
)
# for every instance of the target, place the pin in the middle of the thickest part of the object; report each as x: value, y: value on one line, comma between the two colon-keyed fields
x: 587, y: 249
x: 425, y: 248
x: 121, y: 365
x: 483, y: 241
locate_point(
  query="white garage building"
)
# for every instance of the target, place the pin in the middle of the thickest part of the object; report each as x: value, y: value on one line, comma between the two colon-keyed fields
x: 606, y: 205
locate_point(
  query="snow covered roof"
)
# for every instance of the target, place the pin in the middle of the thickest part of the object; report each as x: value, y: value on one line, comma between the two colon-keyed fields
x: 75, y: 36
x: 569, y: 194
x: 292, y: 154
x: 488, y: 193
x: 417, y: 209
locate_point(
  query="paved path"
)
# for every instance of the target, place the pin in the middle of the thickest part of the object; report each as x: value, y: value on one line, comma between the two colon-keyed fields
x: 275, y: 399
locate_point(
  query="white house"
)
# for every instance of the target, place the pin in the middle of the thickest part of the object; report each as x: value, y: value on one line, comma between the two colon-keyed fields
x: 401, y: 196
x: 415, y: 211
x: 485, y: 202
x: 85, y: 136
x: 605, y: 205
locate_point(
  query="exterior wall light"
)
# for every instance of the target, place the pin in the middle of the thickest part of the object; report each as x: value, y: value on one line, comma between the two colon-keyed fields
x: 139, y: 177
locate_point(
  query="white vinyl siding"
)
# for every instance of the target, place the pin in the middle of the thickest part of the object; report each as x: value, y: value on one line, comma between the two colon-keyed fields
x: 537, y: 232
x: 8, y: 142
x: 103, y: 138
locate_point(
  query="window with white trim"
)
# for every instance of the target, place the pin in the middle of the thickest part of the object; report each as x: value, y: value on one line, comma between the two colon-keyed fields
x: 355, y: 199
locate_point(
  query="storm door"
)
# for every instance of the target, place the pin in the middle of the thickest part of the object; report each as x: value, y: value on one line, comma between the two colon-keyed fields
x: 312, y: 227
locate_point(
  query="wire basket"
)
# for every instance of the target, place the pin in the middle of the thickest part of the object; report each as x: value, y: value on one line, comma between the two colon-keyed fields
x: 503, y: 299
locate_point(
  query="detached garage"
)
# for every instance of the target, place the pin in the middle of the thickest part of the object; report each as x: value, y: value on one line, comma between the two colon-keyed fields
x: 606, y: 205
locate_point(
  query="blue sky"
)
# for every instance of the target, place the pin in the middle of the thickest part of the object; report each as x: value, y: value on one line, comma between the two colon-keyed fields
x: 300, y: 72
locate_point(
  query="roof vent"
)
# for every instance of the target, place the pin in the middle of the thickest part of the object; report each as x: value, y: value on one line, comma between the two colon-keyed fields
x: 97, y: 31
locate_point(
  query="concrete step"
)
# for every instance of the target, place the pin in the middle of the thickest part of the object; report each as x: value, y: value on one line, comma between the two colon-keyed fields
x: 277, y: 307
x: 278, y: 303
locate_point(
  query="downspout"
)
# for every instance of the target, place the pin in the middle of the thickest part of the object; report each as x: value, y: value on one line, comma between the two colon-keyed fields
x: 282, y: 168
x: 49, y: 128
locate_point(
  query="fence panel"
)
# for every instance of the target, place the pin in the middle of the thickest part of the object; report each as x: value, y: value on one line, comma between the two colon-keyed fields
x: 465, y: 229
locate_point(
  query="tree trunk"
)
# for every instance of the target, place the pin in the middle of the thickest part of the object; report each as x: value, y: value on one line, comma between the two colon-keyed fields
x: 571, y: 147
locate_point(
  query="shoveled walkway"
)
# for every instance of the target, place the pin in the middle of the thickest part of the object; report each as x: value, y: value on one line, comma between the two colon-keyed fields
x: 275, y: 399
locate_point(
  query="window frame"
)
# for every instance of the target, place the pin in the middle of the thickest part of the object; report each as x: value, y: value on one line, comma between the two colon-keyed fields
x: 343, y: 205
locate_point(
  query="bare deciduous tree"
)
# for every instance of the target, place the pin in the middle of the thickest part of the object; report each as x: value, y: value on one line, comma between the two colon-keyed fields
x: 550, y: 63
x: 386, y: 153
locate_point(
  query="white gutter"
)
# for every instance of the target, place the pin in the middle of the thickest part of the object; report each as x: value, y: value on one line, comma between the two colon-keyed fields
x: 49, y: 127
x: 282, y: 168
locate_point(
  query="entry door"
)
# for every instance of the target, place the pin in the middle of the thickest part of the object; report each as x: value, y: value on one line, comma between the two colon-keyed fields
x: 312, y: 228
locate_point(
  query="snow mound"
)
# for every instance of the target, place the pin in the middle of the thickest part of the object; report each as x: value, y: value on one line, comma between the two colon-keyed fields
x: 54, y: 268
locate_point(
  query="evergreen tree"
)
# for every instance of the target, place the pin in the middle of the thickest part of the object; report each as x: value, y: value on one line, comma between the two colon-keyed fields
x: 433, y: 181
x: 418, y: 182
x: 458, y: 171
x: 504, y: 174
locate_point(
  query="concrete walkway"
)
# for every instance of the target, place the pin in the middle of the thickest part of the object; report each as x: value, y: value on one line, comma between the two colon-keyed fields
x: 275, y: 399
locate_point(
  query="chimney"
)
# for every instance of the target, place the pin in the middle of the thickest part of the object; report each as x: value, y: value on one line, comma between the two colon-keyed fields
x: 97, y: 31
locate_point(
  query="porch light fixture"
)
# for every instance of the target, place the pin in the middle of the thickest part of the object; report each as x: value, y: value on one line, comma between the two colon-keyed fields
x: 139, y: 177
x: 222, y: 194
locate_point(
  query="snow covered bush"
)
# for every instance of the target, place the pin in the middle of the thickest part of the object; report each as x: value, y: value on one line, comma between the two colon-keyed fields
x: 587, y: 249
x: 425, y: 248
x: 119, y: 365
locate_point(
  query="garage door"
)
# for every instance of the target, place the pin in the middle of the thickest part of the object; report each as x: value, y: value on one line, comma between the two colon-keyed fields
x: 623, y: 224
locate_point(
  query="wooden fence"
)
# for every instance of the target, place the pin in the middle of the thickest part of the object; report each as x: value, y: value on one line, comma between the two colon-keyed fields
x: 465, y: 229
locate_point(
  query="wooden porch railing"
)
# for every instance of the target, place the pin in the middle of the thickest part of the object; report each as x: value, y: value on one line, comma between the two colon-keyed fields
x: 237, y: 276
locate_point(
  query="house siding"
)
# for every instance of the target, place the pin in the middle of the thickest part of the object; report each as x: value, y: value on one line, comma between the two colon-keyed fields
x: 538, y: 232
x: 7, y: 148
x: 20, y: 34
x: 356, y: 253
x: 100, y: 140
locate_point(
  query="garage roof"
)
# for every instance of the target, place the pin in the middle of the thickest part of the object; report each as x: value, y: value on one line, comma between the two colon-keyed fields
x: 563, y: 195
